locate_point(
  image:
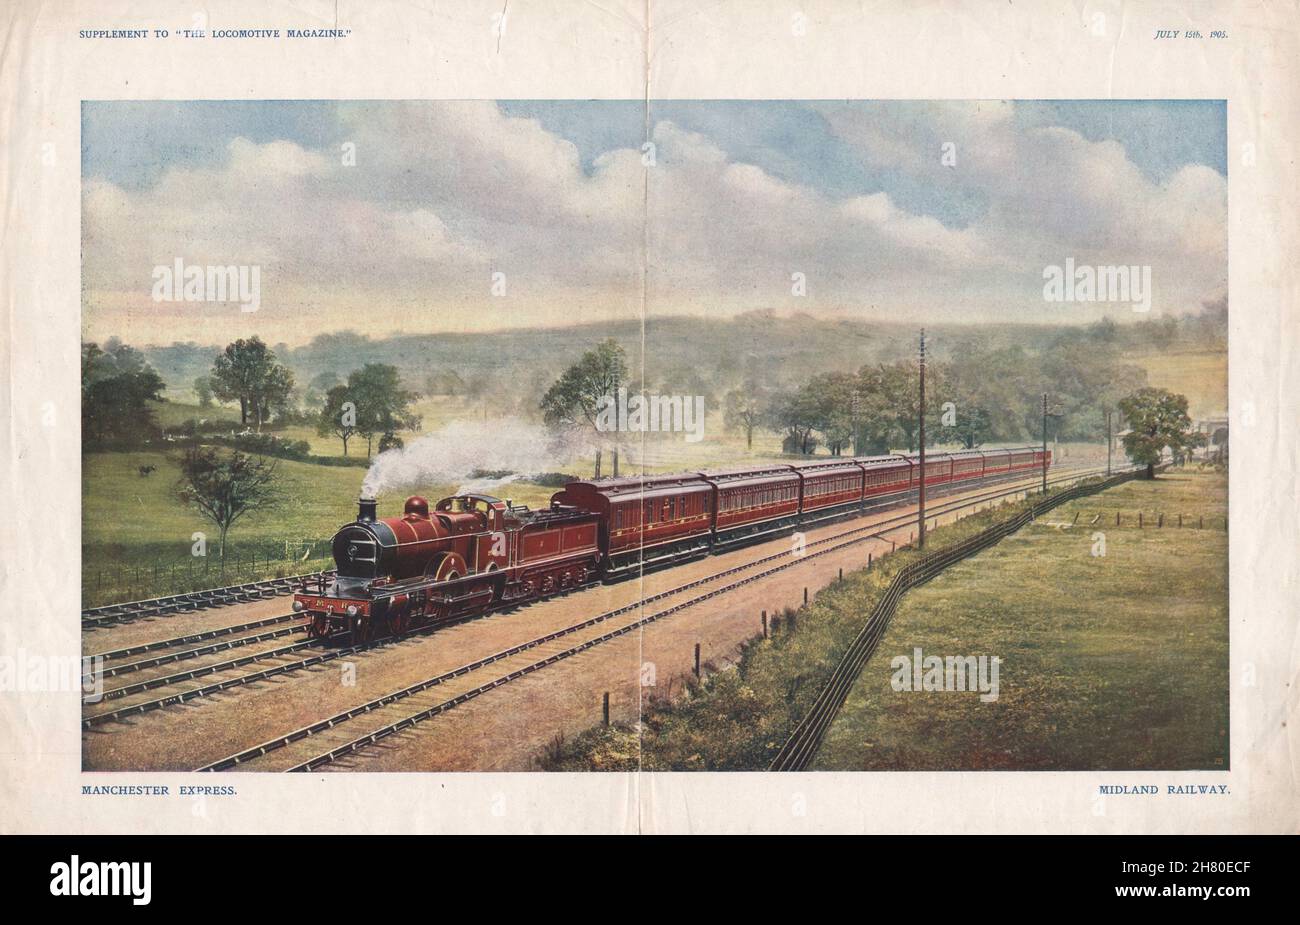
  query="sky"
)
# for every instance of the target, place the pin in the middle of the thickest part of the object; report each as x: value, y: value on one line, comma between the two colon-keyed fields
x: 416, y: 216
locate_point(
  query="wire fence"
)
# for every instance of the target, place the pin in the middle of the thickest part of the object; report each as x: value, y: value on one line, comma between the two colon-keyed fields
x: 274, y: 558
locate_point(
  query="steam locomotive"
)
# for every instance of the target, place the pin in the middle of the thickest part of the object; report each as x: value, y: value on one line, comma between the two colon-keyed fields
x: 472, y: 551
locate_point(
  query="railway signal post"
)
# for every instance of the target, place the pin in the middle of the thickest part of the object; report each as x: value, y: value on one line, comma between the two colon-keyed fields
x: 920, y: 492
x: 1044, y: 443
x: 1109, y: 441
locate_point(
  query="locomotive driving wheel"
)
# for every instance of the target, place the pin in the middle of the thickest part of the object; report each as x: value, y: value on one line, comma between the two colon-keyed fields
x: 399, y: 622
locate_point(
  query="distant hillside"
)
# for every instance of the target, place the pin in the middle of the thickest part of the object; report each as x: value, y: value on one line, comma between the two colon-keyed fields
x: 686, y: 351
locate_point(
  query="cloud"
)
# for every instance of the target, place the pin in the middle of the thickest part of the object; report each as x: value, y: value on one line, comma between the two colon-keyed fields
x: 443, y: 195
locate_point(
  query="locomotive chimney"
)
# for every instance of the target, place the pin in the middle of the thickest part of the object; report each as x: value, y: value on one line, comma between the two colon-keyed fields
x: 366, y: 509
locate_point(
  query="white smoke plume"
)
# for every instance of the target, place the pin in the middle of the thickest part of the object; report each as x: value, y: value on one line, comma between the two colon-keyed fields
x: 456, y: 451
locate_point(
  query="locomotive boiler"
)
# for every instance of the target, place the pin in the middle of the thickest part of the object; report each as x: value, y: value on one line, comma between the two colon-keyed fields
x: 466, y: 553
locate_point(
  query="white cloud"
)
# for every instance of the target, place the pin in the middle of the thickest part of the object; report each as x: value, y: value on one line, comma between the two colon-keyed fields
x: 442, y: 194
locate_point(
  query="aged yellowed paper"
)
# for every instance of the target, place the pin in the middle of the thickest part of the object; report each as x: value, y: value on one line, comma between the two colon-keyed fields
x: 649, y: 417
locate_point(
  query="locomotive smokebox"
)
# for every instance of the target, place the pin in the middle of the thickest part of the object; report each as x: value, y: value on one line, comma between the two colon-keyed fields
x: 367, y: 509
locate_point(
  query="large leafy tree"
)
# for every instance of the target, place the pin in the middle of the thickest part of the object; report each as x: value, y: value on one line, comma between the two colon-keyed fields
x: 576, y: 398
x: 1157, y: 420
x: 224, y: 487
x: 247, y: 371
x: 897, y: 387
x: 383, y: 404
x: 117, y: 386
x: 798, y: 413
x: 834, y: 396
x: 339, y: 416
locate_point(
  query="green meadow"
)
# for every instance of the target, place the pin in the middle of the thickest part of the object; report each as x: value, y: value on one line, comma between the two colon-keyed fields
x: 1114, y: 661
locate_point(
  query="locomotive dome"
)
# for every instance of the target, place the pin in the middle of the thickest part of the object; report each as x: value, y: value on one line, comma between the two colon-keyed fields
x: 417, y: 506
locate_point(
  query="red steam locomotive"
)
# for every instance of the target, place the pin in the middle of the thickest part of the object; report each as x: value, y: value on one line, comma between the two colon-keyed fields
x: 473, y: 551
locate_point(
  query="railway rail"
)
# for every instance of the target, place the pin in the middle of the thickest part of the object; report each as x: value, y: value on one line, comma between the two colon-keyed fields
x: 398, y: 724
x: 192, y: 638
x: 225, y: 645
x: 110, y: 614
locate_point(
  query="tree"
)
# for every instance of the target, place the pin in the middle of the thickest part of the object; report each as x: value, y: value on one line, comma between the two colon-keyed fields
x: 797, y: 413
x: 1157, y: 419
x: 743, y: 409
x: 203, y: 391
x: 117, y: 386
x: 833, y: 396
x: 898, y: 386
x: 576, y: 398
x: 383, y: 405
x: 223, y: 488
x: 247, y: 372
x: 970, y: 426
x: 339, y: 416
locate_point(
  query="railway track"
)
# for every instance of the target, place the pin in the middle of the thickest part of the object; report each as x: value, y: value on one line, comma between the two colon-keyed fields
x: 585, y: 635
x: 111, y: 614
x: 191, y: 638
x: 225, y: 645
x: 224, y: 684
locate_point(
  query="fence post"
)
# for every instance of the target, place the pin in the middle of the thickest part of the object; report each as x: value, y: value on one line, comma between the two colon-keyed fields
x: 697, y: 660
x: 1139, y: 520
x: 764, y: 624
x: 605, y: 708
x: 805, y: 595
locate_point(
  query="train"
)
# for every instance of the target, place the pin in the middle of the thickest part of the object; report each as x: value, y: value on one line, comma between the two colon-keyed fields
x: 472, y: 552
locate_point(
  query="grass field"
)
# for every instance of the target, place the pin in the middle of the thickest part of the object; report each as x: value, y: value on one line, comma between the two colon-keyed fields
x: 1201, y: 375
x: 1114, y: 662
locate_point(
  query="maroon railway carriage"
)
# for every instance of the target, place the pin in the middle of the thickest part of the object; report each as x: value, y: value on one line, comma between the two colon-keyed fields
x: 996, y: 462
x: 968, y: 464
x: 828, y: 488
x: 1025, y: 458
x: 425, y: 566
x: 646, y: 521
x: 750, y: 503
x: 884, y: 476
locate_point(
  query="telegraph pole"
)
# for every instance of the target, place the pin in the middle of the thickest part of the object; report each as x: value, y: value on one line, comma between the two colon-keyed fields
x: 920, y: 516
x: 1108, y: 443
x: 1044, y: 443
